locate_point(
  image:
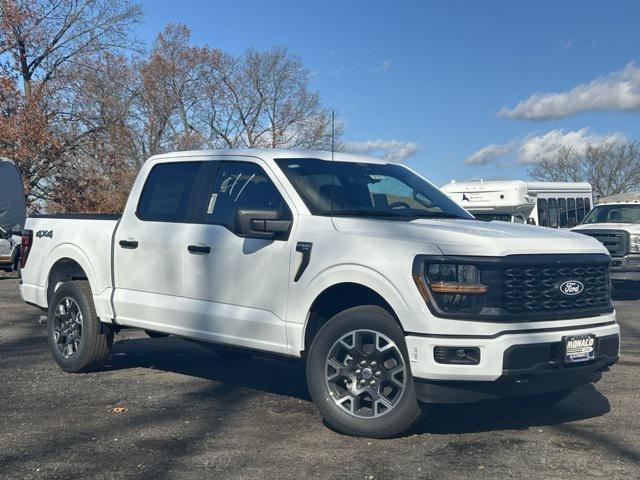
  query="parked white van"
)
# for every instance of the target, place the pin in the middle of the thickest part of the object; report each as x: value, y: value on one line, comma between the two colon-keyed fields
x: 548, y: 204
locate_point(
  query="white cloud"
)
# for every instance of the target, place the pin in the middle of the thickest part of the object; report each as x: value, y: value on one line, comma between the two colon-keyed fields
x: 536, y: 148
x: 391, y: 150
x: 489, y: 153
x: 619, y: 90
x: 385, y: 66
x: 545, y: 147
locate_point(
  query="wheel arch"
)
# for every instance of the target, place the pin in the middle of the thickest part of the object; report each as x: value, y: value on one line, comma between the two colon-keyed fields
x: 343, y: 286
x: 66, y: 263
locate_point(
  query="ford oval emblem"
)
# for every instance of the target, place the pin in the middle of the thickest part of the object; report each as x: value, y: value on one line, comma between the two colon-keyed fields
x: 571, y: 287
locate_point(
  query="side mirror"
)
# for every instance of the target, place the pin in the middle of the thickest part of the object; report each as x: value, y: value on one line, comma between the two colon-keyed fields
x: 267, y: 224
x: 531, y: 221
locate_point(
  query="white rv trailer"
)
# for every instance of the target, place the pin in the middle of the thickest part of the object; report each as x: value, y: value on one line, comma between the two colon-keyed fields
x: 548, y: 204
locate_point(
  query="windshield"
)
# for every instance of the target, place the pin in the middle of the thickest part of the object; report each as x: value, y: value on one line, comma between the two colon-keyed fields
x: 367, y: 189
x: 490, y: 217
x: 613, y: 214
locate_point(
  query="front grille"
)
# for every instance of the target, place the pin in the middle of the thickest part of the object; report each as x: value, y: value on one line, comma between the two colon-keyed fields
x: 616, y: 241
x: 528, y: 288
x: 535, y: 288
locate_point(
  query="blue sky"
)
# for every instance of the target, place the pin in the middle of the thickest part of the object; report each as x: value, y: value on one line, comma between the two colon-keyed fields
x: 433, y: 76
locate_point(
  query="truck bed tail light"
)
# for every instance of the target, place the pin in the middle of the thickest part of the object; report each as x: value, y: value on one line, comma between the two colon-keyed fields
x: 25, y: 246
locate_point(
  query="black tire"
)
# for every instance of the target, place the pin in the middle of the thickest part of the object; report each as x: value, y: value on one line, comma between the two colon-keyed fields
x: 16, y: 261
x: 153, y: 334
x: 393, y: 422
x: 95, y: 341
x: 541, y: 401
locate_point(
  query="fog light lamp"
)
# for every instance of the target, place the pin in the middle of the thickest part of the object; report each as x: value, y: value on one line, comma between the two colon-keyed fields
x: 457, y: 355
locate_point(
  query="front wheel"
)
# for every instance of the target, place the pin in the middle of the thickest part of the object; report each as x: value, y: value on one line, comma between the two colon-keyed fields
x: 359, y: 377
x: 77, y: 340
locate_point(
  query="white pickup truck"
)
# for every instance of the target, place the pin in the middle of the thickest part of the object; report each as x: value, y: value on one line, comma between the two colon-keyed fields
x: 391, y: 293
x: 615, y: 221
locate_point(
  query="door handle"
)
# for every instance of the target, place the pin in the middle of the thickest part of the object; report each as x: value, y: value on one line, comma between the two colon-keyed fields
x: 199, y: 249
x: 131, y: 244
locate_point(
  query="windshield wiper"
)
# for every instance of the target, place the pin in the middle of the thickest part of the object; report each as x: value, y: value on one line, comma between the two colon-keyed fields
x: 435, y: 215
x: 363, y: 213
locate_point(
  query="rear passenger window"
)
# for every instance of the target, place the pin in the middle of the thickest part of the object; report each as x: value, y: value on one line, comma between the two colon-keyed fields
x: 562, y: 212
x: 246, y: 186
x: 580, y: 208
x: 543, y: 217
x: 571, y: 211
x: 167, y: 193
x: 553, y: 213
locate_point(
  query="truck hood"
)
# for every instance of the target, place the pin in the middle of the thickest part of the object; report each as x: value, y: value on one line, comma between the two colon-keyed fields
x: 473, y: 237
x: 627, y: 227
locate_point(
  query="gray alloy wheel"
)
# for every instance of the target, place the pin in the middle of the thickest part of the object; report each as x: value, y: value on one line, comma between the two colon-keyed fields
x: 78, y: 341
x: 365, y: 373
x: 359, y: 376
x: 67, y: 326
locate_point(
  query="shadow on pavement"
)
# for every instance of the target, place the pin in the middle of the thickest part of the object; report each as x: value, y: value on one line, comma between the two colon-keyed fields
x: 287, y: 378
x: 176, y: 355
x: 586, y: 402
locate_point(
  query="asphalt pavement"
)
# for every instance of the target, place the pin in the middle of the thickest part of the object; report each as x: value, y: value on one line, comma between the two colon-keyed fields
x: 170, y: 409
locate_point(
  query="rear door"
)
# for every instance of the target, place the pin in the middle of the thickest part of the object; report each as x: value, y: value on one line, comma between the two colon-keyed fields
x: 148, y: 248
x: 236, y: 288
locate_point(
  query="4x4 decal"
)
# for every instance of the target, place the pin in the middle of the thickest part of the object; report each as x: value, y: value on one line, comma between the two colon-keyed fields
x: 44, y: 234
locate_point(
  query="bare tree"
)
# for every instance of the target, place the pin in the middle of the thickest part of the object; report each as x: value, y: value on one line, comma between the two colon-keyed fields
x: 610, y: 168
x: 174, y: 79
x: 44, y: 44
x: 39, y: 38
x: 263, y: 99
x: 79, y: 116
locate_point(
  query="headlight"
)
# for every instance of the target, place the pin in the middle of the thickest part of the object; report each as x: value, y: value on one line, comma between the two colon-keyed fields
x: 634, y: 243
x: 455, y: 288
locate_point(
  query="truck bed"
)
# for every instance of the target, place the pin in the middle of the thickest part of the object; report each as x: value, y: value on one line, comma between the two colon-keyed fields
x: 80, y: 238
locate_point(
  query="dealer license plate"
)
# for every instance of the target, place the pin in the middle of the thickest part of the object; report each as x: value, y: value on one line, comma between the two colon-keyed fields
x: 579, y: 348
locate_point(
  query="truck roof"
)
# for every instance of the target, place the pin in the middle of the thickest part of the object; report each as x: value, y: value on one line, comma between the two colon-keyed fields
x: 630, y: 197
x: 270, y: 154
x: 531, y: 187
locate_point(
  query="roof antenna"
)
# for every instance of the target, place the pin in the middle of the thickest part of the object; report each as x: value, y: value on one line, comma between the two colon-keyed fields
x: 333, y: 133
x: 333, y: 147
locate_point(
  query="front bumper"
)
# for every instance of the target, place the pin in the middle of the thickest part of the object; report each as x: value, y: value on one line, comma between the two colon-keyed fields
x: 625, y: 268
x: 510, y: 364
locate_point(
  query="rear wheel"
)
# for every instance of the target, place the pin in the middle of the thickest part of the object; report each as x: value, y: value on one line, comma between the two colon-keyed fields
x: 359, y: 377
x: 77, y: 340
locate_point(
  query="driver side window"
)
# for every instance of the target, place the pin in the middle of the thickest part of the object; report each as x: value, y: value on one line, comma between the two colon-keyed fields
x: 240, y: 186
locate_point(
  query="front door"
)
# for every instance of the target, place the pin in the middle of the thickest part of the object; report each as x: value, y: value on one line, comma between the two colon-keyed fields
x: 236, y: 288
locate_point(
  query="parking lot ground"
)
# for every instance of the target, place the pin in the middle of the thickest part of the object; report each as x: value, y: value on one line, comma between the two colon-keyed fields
x: 188, y: 414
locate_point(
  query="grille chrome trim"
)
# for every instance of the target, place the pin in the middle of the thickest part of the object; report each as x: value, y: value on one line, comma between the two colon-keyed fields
x: 616, y: 241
